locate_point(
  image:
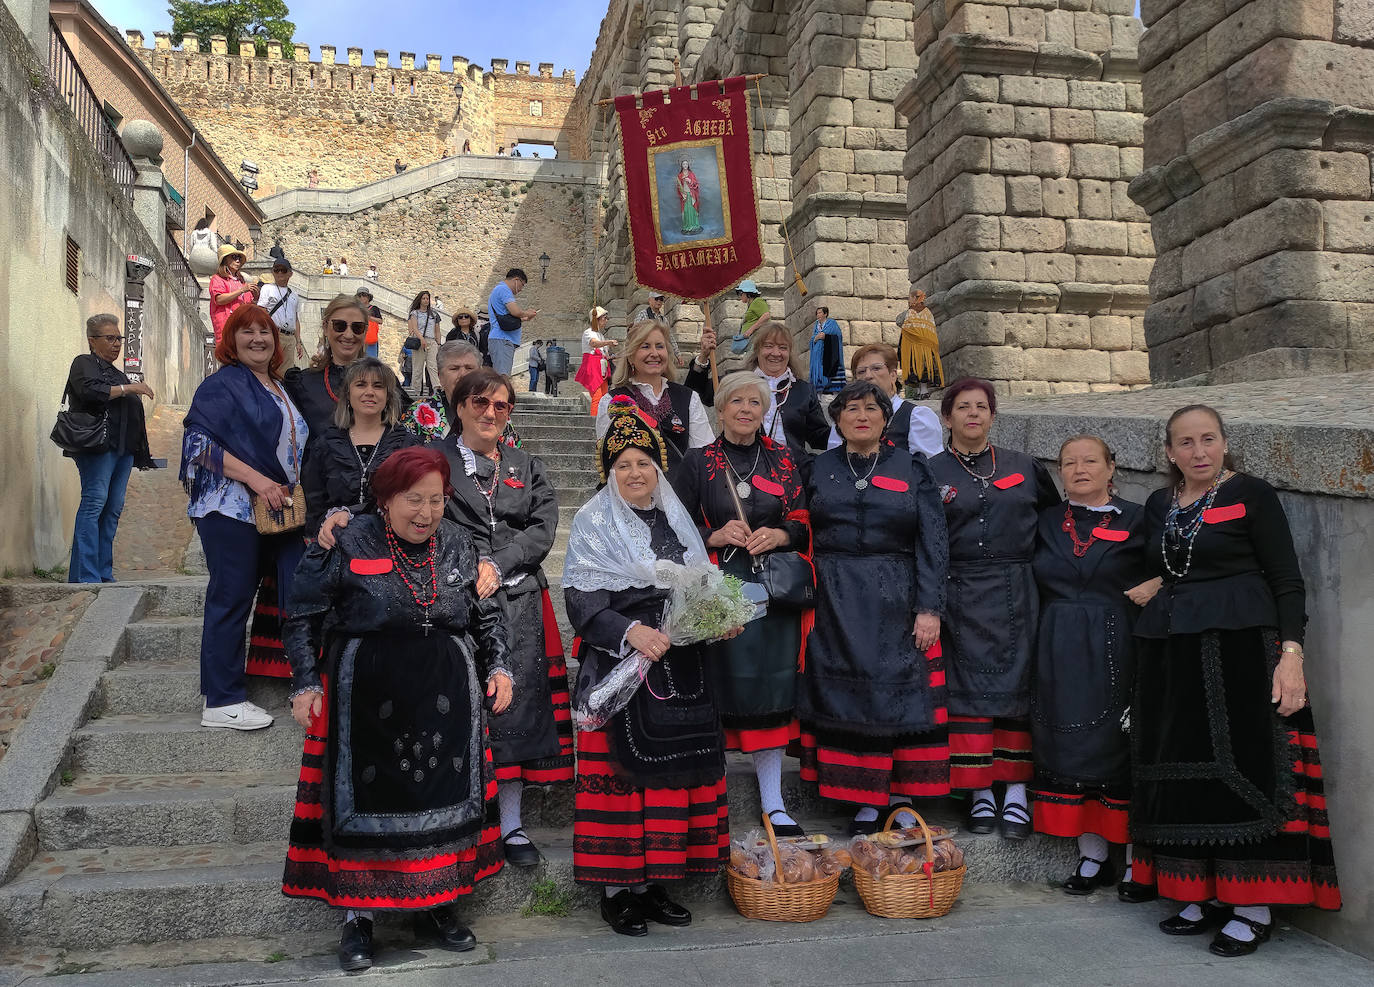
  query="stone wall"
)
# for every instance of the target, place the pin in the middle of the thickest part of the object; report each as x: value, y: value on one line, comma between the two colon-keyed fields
x: 56, y: 188
x: 531, y: 108
x: 1025, y: 129
x: 456, y: 239
x: 1260, y: 125
x: 346, y: 120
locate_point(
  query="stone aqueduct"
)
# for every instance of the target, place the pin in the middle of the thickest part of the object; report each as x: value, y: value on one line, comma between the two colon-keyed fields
x: 1089, y: 207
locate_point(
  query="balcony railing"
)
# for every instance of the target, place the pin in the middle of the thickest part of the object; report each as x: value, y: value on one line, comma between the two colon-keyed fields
x: 176, y: 208
x: 77, y: 91
x: 182, y: 275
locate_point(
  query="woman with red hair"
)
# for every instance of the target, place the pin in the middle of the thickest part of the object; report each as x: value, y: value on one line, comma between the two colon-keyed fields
x: 393, y: 653
x: 243, y: 440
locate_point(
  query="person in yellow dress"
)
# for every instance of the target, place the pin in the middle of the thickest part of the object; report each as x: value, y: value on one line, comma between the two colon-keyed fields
x: 920, y: 347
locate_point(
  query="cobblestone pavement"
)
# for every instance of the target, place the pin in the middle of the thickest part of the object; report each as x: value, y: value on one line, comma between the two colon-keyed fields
x: 31, y: 639
x: 154, y: 530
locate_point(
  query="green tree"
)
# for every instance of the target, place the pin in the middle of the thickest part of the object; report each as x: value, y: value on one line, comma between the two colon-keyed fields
x: 259, y: 19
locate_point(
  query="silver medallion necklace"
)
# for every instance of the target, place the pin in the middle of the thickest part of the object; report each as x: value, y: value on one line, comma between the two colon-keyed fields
x: 860, y: 482
x: 742, y: 486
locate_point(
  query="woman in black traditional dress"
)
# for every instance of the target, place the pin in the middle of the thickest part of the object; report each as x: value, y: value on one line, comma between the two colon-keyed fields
x: 650, y: 794
x: 340, y: 461
x: 646, y: 375
x: 794, y: 417
x: 1090, y: 570
x: 993, y: 496
x: 1227, y: 805
x: 391, y: 651
x: 503, y: 497
x: 754, y: 675
x: 872, y: 695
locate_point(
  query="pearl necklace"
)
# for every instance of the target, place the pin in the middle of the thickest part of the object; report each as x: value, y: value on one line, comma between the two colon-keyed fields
x: 1185, y: 534
x: 960, y: 459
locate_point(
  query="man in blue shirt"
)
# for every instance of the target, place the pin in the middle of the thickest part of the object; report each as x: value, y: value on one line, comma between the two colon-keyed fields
x: 507, y: 319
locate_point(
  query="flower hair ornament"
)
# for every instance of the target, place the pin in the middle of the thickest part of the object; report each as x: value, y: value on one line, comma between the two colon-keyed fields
x: 628, y: 428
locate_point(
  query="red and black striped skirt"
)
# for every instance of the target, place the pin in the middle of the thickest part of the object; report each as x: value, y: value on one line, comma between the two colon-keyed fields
x: 626, y: 835
x: 984, y: 750
x: 1068, y: 811
x: 395, y: 884
x: 549, y: 770
x: 850, y: 767
x: 266, y: 655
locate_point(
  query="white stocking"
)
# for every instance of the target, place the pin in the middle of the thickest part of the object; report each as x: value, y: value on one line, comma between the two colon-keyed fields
x: 508, y: 795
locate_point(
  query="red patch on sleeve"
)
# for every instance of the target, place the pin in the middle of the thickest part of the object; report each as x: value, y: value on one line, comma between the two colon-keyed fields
x: 511, y: 481
x: 1007, y: 482
x: 768, y: 486
x: 888, y: 483
x: 1110, y: 534
x: 370, y: 567
x: 1215, y: 515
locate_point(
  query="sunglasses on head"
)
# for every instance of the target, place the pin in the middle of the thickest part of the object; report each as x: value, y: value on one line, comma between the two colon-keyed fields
x: 341, y: 325
x: 481, y: 402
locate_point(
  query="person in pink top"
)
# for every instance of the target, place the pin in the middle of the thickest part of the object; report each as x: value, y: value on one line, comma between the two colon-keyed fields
x: 228, y: 290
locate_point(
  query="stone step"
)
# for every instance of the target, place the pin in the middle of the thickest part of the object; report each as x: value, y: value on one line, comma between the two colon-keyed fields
x: 97, y: 811
x: 183, y: 598
x: 165, y: 638
x: 176, y: 743
x: 584, y: 463
x: 172, y: 686
x: 115, y: 895
x: 559, y: 432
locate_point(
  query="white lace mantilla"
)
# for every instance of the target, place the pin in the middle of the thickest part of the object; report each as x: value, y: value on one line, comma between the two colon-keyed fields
x: 608, y: 547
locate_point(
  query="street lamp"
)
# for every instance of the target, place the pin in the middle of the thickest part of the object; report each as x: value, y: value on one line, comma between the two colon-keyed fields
x: 544, y: 267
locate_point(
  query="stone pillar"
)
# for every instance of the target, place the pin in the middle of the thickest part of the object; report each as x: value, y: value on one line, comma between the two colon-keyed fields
x: 379, y: 59
x: 408, y: 61
x: 248, y: 48
x: 274, y: 49
x: 1257, y: 183
x: 522, y: 68
x: 460, y: 65
x: 327, y: 54
x: 134, y: 38
x: 143, y: 141
x: 302, y: 52
x: 1024, y: 131
x: 162, y: 40
x: 498, y: 66
x: 355, y: 57
x: 219, y: 44
x: 433, y: 63
x: 190, y: 44
x: 847, y: 60
x: 546, y: 70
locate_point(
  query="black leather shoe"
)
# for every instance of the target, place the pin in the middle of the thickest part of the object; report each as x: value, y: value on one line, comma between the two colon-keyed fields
x: 520, y: 854
x: 658, y: 907
x: 784, y: 829
x: 1212, y: 916
x: 1135, y: 893
x: 623, y: 913
x: 1078, y: 884
x: 859, y: 827
x: 355, y: 946
x: 1231, y: 947
x: 982, y: 817
x: 442, y: 925
x: 1012, y: 825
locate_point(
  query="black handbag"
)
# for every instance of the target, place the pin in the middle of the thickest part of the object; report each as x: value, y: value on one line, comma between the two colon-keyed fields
x: 789, y: 579
x: 80, y: 431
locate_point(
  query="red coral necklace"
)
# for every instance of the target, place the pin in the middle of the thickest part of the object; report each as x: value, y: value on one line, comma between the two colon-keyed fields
x: 1080, y: 547
x: 403, y: 563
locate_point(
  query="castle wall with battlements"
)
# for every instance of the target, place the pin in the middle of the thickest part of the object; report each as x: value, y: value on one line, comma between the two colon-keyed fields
x: 345, y: 121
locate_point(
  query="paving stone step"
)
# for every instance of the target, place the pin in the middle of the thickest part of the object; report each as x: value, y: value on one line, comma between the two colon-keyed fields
x: 97, y: 811
x: 165, y: 638
x: 116, y: 895
x: 176, y: 743
x: 171, y: 687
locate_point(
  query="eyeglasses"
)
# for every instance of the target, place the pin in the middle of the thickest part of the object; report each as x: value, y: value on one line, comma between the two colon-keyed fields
x: 340, y: 325
x: 110, y: 339
x: 481, y: 403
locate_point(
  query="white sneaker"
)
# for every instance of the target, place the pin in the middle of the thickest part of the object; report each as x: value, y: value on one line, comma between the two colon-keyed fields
x: 240, y: 716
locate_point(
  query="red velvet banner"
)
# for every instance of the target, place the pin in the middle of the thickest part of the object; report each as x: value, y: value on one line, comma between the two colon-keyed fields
x: 689, y: 182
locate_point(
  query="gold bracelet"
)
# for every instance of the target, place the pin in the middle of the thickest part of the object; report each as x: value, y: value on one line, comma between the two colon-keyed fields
x: 1293, y: 651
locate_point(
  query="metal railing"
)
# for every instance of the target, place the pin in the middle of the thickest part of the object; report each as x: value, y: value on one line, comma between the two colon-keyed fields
x: 182, y: 276
x: 77, y: 91
x: 176, y: 207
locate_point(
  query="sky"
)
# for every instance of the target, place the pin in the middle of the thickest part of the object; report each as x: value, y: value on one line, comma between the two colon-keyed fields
x: 559, y: 31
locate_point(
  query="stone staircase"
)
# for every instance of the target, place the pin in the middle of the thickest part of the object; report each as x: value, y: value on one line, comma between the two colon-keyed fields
x: 162, y: 831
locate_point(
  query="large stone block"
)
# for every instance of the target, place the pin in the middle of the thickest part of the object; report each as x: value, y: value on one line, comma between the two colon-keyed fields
x: 1186, y: 356
x: 1281, y: 364
x: 1069, y: 332
x: 1285, y: 67
x: 1037, y: 235
x: 974, y: 194
x: 1287, y: 324
x: 1111, y: 332
x: 1114, y: 270
x: 1011, y: 155
x: 1285, y: 224
x: 1070, y: 125
x: 1307, y: 274
x: 1092, y: 32
x: 1050, y: 160
x: 1176, y: 75
x: 1094, y: 199
x: 1083, y: 366
x: 1354, y: 21
x: 1169, y: 319
x: 1348, y: 226
x: 1262, y: 20
x: 1031, y: 90
x: 981, y: 266
x: 1059, y: 27
x: 1060, y: 197
x: 1097, y: 95
x: 1130, y: 367
x: 1032, y: 122
x: 1166, y: 277
x: 1119, y: 127
x: 1023, y: 195
x: 972, y: 329
x: 1051, y: 268
x: 1095, y: 161
x: 1124, y: 207
x: 988, y: 362
x: 1024, y: 329
x: 1139, y: 240
x: 1302, y: 173
x: 1093, y: 236
x: 1214, y: 301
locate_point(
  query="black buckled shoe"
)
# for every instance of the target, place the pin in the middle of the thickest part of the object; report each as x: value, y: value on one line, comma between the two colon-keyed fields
x: 355, y: 946
x: 1231, y: 947
x: 784, y: 829
x: 520, y: 854
x: 863, y: 827
x: 658, y: 907
x: 1135, y: 893
x: 982, y: 817
x: 1212, y: 916
x: 442, y: 925
x: 1078, y: 884
x: 1015, y: 822
x: 623, y: 913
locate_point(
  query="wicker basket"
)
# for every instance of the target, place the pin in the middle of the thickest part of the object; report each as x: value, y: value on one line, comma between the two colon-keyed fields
x: 910, y: 895
x: 774, y: 901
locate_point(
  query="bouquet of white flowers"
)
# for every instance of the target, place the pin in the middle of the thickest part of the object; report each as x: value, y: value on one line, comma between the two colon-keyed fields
x: 703, y: 604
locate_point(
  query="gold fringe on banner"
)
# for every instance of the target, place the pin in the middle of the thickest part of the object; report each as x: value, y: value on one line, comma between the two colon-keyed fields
x: 920, y: 350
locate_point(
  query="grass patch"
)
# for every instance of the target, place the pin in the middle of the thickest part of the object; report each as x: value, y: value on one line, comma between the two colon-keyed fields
x: 66, y: 778
x: 276, y: 957
x: 46, y: 671
x: 547, y: 898
x: 57, y: 574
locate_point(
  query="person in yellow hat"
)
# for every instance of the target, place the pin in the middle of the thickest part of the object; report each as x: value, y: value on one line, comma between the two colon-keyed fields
x: 919, y: 364
x: 228, y: 289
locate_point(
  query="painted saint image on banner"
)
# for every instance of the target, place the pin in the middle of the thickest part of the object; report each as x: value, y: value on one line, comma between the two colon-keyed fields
x: 689, y: 206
